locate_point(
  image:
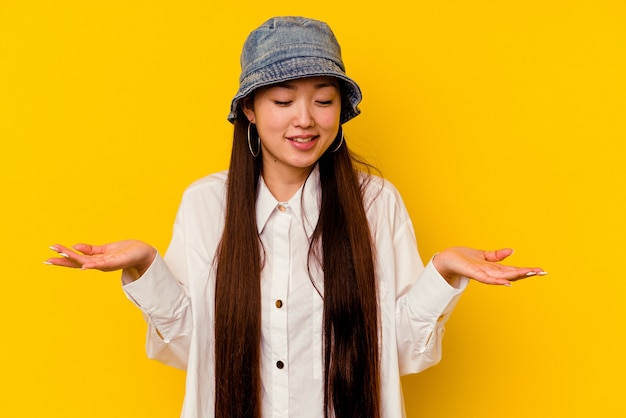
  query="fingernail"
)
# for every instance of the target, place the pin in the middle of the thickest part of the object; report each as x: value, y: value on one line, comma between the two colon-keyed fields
x: 47, y: 263
x: 542, y: 273
x: 509, y: 284
x: 64, y: 255
x: 531, y: 273
x: 53, y: 248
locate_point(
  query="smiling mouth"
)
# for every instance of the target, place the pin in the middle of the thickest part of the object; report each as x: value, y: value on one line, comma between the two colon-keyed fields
x: 303, y: 140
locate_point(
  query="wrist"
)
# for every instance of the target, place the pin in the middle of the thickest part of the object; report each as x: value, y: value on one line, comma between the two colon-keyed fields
x: 141, y: 268
x: 439, y: 262
x: 136, y: 271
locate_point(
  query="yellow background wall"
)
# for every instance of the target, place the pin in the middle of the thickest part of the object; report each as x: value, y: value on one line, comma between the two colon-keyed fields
x: 501, y: 122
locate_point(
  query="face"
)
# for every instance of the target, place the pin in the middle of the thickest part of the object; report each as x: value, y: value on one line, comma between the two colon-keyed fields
x: 297, y: 121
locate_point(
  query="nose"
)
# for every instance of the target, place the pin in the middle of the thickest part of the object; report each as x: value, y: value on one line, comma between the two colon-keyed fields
x: 303, y: 116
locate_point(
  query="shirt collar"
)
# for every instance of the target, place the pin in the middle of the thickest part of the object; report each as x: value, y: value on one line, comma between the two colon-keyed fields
x: 305, y: 203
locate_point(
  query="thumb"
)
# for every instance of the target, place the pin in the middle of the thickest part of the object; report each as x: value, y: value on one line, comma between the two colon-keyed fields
x: 89, y: 249
x: 498, y: 255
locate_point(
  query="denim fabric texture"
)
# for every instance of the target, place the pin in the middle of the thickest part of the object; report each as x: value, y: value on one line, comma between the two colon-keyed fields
x: 287, y: 48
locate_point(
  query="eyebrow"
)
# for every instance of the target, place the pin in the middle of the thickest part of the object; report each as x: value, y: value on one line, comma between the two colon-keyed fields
x: 291, y: 86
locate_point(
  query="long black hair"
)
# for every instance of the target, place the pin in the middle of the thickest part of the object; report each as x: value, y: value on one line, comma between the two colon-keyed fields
x: 350, y: 323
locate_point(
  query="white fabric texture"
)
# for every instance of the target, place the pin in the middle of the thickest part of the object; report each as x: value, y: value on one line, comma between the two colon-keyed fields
x: 176, y: 295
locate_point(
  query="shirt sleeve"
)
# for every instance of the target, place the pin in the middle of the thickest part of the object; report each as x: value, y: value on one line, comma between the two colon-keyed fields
x: 424, y: 299
x: 165, y: 304
x: 420, y: 318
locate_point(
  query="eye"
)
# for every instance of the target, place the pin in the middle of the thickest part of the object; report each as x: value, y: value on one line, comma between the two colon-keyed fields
x: 282, y: 103
x: 325, y: 100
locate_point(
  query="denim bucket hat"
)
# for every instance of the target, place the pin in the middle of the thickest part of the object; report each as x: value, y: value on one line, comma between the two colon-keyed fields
x: 287, y: 48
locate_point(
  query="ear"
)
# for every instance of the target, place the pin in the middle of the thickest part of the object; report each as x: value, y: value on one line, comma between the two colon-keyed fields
x: 247, y: 106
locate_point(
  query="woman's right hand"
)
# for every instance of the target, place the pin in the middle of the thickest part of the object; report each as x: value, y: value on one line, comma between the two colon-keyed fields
x: 128, y: 254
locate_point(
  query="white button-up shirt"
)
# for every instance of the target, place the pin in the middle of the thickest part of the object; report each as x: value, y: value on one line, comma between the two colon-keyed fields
x: 177, y: 297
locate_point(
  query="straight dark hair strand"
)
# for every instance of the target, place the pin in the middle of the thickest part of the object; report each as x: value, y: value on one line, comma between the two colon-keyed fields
x: 238, y: 325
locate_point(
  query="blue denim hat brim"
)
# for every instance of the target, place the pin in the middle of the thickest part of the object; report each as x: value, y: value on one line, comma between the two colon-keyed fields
x: 289, y: 48
x: 301, y: 67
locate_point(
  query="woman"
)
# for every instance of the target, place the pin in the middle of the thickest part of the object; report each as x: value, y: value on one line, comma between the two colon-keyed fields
x: 293, y: 285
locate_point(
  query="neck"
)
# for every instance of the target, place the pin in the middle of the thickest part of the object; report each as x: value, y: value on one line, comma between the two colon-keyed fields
x: 283, y: 184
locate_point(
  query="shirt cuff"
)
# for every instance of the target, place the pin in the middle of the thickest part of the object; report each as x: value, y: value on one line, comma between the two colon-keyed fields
x: 432, y: 297
x: 156, y: 292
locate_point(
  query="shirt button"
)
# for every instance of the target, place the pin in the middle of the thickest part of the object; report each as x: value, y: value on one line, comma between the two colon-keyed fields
x: 282, y: 208
x: 279, y: 303
x: 280, y: 364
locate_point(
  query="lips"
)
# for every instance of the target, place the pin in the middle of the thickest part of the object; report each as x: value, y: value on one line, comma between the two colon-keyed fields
x: 302, y: 139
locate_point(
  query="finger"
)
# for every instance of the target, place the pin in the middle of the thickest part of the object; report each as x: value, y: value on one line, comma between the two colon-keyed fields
x: 69, y: 254
x: 498, y: 255
x: 62, y: 262
x: 74, y: 262
x: 536, y: 272
x: 511, y: 274
x: 487, y: 278
x: 97, y: 265
x: 62, y: 250
x: 89, y: 249
x: 104, y: 263
x: 499, y: 274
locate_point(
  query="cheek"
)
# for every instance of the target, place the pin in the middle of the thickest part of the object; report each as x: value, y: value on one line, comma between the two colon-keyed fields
x: 329, y: 118
x: 269, y: 120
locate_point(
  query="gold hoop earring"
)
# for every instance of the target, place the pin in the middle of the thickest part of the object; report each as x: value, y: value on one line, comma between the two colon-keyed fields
x: 258, y: 151
x: 340, y: 141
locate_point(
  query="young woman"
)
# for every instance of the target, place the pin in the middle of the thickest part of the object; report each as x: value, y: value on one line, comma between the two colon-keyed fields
x: 293, y: 285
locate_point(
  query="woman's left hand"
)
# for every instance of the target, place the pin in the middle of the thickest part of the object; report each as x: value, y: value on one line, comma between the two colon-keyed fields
x: 482, y: 266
